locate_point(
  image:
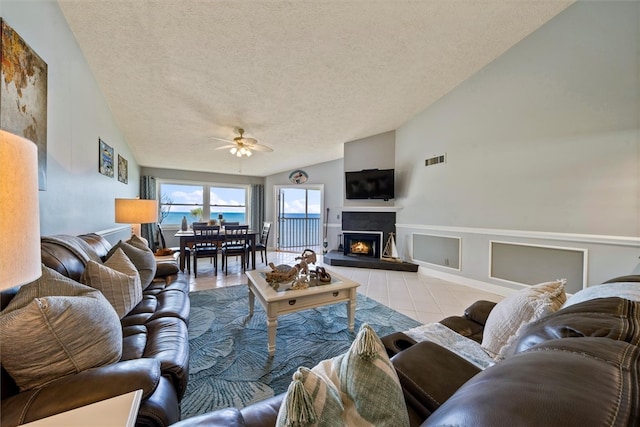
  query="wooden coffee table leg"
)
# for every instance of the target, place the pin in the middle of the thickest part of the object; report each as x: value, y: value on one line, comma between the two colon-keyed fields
x: 272, y: 326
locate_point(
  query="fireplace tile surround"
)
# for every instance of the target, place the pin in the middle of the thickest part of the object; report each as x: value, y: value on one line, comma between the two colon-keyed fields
x: 379, y: 222
x: 370, y: 221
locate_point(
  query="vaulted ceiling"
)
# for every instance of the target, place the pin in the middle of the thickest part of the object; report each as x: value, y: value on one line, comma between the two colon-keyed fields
x: 302, y: 77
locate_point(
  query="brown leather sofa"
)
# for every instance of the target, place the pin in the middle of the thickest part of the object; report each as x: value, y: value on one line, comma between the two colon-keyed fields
x: 155, y: 355
x: 577, y: 367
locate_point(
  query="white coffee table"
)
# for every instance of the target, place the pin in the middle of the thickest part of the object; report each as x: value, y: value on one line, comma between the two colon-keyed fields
x: 276, y: 303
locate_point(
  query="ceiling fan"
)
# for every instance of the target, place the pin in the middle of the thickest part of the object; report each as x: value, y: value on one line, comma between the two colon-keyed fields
x: 241, y: 146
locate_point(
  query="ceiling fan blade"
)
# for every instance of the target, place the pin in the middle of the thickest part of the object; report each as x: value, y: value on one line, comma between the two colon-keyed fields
x: 248, y: 141
x: 226, y: 146
x: 221, y: 139
x: 260, y: 147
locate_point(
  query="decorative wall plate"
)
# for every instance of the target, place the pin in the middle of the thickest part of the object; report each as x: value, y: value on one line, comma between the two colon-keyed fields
x: 298, y: 176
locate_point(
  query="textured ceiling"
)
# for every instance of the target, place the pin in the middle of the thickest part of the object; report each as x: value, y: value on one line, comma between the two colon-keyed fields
x: 302, y: 77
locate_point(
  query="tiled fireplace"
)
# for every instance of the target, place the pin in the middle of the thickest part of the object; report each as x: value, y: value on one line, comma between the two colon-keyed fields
x: 364, y: 235
x: 379, y: 222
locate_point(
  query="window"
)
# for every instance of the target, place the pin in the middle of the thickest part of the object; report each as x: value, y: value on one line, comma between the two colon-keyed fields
x: 228, y: 203
x: 201, y: 202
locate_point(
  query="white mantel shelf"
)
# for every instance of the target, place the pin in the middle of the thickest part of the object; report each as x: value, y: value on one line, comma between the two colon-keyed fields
x: 370, y: 208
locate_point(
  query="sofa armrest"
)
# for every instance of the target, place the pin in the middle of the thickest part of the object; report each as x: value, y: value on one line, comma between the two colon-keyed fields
x: 227, y: 417
x: 429, y: 374
x: 471, y: 323
x: 479, y: 311
x: 260, y: 414
x: 263, y: 413
x: 81, y: 389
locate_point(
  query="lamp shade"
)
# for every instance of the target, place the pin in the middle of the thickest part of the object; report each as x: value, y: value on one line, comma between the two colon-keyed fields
x: 136, y: 211
x: 19, y: 211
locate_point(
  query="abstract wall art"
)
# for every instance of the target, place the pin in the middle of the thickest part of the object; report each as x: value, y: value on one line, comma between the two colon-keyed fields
x: 105, y: 158
x: 23, y: 94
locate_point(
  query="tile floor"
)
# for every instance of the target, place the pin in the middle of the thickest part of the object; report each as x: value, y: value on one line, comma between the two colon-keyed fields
x: 423, y: 298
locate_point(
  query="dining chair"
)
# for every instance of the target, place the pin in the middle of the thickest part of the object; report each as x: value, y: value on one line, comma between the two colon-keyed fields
x: 261, y: 245
x: 235, y: 244
x: 206, y: 239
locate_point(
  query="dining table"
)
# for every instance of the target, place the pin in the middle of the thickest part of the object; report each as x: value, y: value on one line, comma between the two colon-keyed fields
x: 186, y: 240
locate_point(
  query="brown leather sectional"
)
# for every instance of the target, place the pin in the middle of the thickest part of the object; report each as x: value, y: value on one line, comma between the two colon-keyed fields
x: 155, y: 354
x: 578, y: 367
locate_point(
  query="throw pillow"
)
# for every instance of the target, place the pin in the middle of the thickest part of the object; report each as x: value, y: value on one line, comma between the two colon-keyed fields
x: 46, y: 336
x: 518, y: 310
x: 360, y: 387
x: 117, y: 279
x: 143, y: 259
x: 139, y: 242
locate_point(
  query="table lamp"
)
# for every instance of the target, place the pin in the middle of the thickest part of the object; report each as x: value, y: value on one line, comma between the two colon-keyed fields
x: 19, y: 212
x: 136, y: 212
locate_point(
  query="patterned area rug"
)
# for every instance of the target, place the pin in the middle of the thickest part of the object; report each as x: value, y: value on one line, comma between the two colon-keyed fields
x: 229, y: 362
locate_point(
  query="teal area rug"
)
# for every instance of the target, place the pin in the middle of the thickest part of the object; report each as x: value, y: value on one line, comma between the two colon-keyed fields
x: 229, y: 362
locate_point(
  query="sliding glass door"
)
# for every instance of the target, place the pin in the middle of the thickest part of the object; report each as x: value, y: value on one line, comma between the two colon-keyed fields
x: 299, y: 218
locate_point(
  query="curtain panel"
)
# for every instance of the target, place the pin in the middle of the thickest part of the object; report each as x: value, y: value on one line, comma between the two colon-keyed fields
x: 148, y: 191
x: 257, y: 207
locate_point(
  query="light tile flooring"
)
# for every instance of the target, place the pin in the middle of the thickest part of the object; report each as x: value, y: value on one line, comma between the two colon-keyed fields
x: 423, y: 298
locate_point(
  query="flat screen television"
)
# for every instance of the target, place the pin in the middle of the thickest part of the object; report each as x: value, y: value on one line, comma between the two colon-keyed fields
x: 370, y: 184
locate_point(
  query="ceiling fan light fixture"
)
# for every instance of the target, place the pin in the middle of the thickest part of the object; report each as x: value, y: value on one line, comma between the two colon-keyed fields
x: 243, y: 147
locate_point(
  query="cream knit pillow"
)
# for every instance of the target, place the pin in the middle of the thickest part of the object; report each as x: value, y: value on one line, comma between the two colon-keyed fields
x: 518, y: 310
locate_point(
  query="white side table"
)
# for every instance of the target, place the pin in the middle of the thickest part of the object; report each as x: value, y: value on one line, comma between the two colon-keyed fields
x: 115, y: 412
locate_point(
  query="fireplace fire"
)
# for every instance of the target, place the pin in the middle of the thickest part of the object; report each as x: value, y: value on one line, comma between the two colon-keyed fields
x: 361, y: 247
x: 363, y: 244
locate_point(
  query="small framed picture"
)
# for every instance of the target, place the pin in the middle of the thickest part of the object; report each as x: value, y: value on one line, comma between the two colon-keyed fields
x: 105, y: 158
x: 123, y: 169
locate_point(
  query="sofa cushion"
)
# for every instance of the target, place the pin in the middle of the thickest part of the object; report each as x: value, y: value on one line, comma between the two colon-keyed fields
x: 117, y: 279
x: 57, y: 327
x: 572, y: 382
x: 143, y: 259
x: 517, y: 310
x: 360, y: 387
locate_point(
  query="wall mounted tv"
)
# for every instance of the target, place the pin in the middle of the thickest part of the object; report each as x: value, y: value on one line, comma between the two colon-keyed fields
x: 370, y: 184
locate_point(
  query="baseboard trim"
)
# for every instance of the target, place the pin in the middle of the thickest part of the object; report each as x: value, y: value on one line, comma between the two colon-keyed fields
x: 465, y: 281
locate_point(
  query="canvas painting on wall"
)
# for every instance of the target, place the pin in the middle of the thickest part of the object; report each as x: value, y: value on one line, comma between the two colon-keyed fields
x: 105, y: 158
x: 123, y: 169
x: 23, y: 94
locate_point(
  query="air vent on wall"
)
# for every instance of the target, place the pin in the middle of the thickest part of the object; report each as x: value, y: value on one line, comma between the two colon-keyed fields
x: 435, y: 160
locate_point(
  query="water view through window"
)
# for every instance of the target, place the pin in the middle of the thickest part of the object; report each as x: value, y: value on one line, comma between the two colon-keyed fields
x: 202, y: 203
